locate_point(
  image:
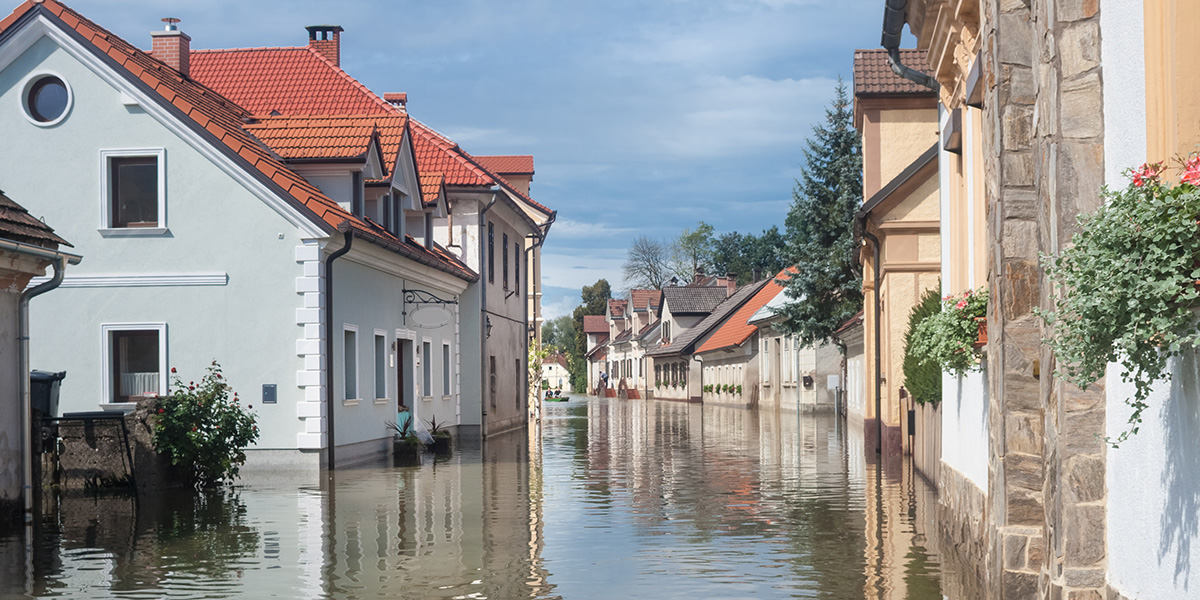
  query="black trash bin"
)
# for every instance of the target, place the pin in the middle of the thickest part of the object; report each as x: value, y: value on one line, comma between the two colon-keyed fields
x: 43, y: 391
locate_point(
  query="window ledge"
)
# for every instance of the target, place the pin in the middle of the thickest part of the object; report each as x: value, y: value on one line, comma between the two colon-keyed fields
x: 125, y: 407
x: 448, y: 397
x: 427, y: 398
x: 133, y: 231
x: 351, y: 402
x: 382, y: 400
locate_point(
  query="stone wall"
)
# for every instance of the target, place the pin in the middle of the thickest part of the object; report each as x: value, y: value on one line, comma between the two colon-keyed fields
x: 1043, y: 151
x: 95, y: 452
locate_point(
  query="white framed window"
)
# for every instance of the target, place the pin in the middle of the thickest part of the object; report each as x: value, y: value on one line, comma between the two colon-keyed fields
x: 133, y: 192
x: 350, y: 364
x: 381, y: 366
x: 447, y: 374
x: 46, y: 98
x: 135, y: 362
x: 427, y: 367
x: 766, y: 361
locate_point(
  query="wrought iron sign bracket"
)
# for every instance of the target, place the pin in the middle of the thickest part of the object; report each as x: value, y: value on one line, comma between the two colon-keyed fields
x: 421, y: 297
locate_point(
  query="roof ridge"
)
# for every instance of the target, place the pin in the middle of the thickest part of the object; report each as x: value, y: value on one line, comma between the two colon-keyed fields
x: 245, y: 49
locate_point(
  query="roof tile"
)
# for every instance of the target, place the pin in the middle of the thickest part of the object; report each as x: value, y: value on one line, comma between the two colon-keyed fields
x: 873, y: 74
x: 736, y: 330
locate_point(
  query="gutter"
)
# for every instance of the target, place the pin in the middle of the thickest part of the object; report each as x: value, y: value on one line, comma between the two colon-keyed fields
x: 329, y: 402
x: 59, y: 260
x: 484, y: 364
x: 878, y: 340
x: 893, y: 27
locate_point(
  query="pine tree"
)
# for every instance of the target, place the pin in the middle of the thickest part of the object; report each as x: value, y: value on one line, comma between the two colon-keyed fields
x: 826, y: 289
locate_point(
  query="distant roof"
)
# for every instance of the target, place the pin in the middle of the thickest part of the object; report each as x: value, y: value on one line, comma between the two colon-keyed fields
x: 598, y: 352
x: 737, y: 329
x: 873, y: 76
x: 556, y: 359
x: 693, y: 300
x: 648, y: 332
x: 508, y: 164
x: 685, y: 343
x: 16, y: 224
x: 617, y: 307
x: 595, y: 324
x: 645, y: 299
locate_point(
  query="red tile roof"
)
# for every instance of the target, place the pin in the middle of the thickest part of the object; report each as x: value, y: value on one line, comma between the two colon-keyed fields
x: 645, y: 299
x: 290, y: 81
x: 874, y: 76
x: 737, y: 329
x: 202, y: 108
x: 617, y: 307
x: 432, y: 185
x: 437, y: 154
x: 595, y: 324
x: 508, y: 164
x: 330, y: 137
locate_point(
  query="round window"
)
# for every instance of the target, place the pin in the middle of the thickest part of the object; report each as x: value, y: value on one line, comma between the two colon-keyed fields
x: 47, y: 99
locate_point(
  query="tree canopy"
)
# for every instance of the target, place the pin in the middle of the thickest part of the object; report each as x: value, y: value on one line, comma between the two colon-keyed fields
x: 647, y: 264
x: 595, y: 299
x: 820, y: 228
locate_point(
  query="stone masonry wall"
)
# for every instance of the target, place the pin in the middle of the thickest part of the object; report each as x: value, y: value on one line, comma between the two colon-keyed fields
x: 1043, y: 140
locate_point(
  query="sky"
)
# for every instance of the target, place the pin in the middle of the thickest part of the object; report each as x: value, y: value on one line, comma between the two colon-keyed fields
x: 643, y: 117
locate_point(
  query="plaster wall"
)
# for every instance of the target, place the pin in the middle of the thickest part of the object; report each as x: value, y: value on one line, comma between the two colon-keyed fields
x: 508, y: 342
x: 965, y: 425
x: 1153, y: 479
x: 737, y: 368
x: 904, y: 134
x: 243, y: 314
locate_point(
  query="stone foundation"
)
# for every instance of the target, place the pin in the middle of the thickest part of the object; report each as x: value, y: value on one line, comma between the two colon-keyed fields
x: 962, y: 521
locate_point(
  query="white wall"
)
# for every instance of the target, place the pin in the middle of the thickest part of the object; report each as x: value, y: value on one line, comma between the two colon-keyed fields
x: 10, y: 406
x: 1153, y: 479
x: 964, y: 426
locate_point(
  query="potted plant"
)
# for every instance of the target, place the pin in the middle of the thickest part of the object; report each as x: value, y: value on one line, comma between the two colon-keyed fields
x: 1126, y: 286
x: 738, y: 390
x: 948, y: 337
x: 442, y: 439
x: 406, y: 446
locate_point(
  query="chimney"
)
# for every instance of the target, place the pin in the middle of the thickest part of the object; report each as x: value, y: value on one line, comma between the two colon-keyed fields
x: 697, y: 275
x: 397, y: 99
x: 757, y: 273
x: 326, y: 40
x: 172, y: 46
x: 731, y: 283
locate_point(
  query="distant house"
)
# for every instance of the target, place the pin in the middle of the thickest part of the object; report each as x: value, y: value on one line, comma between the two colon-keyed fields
x: 27, y: 247
x: 595, y: 329
x: 555, y: 375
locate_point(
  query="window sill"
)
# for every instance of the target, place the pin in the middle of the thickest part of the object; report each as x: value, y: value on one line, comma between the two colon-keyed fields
x: 125, y: 407
x: 351, y: 402
x: 382, y: 400
x: 427, y: 398
x: 448, y: 397
x: 133, y: 231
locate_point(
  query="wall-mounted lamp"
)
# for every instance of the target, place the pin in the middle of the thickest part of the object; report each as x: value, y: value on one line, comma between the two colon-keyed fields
x: 488, y: 324
x: 808, y: 381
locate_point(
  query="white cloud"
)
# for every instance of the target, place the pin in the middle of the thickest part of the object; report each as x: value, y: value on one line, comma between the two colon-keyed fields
x: 580, y: 269
x: 575, y: 229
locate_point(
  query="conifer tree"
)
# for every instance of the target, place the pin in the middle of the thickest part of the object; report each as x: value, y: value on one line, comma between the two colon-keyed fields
x: 826, y: 289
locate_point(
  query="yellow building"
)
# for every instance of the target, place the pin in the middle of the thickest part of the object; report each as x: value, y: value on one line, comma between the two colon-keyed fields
x: 898, y: 224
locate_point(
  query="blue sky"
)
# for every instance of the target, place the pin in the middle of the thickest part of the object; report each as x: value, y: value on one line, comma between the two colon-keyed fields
x: 643, y: 117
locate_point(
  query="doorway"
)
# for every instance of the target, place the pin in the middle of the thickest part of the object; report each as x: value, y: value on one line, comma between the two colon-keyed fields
x: 404, y: 379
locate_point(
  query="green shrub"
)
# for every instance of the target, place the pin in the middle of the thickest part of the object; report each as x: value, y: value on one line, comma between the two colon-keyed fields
x: 922, y: 376
x: 201, y: 429
x: 947, y: 336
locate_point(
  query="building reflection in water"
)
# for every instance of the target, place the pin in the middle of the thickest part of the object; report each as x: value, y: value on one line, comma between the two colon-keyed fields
x: 609, y: 499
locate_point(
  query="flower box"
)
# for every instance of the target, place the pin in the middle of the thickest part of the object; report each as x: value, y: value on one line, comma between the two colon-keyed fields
x: 982, y: 340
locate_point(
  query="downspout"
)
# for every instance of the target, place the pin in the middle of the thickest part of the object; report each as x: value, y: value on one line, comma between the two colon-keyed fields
x: 531, y: 290
x: 329, y: 402
x: 878, y: 268
x: 484, y: 363
x: 893, y: 27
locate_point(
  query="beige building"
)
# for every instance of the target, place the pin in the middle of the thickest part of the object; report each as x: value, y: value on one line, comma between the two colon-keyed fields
x: 898, y: 224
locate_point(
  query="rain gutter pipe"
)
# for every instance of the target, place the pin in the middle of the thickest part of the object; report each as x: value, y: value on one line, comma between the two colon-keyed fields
x: 893, y: 27
x: 878, y: 268
x: 329, y: 402
x: 540, y: 236
x: 485, y: 390
x: 59, y: 260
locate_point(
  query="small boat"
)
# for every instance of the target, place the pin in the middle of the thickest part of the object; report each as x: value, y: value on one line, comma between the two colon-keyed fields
x: 555, y: 396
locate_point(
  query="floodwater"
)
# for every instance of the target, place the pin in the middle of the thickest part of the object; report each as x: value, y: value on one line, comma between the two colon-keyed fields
x: 608, y: 499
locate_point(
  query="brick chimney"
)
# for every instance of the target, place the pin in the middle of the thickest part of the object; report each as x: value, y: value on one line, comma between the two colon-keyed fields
x: 730, y: 283
x: 397, y: 99
x: 327, y: 40
x: 172, y: 46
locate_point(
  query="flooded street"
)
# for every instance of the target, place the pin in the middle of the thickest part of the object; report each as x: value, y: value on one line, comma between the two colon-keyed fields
x: 639, y: 499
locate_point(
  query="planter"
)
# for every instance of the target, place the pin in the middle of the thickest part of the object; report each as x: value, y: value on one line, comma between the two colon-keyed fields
x: 982, y: 340
x: 406, y: 452
x: 442, y: 444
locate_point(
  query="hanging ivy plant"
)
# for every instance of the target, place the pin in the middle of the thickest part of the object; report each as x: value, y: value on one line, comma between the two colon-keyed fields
x: 922, y: 375
x: 1125, y: 289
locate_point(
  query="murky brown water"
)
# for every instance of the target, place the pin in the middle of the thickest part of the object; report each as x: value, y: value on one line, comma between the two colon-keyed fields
x: 614, y: 499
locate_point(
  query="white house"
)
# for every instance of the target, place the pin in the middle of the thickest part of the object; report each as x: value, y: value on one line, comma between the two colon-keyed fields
x: 310, y: 270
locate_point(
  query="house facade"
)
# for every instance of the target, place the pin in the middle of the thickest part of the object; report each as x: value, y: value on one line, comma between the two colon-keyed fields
x: 595, y: 331
x: 793, y: 376
x: 28, y: 247
x: 297, y: 249
x: 1054, y: 101
x: 898, y: 224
